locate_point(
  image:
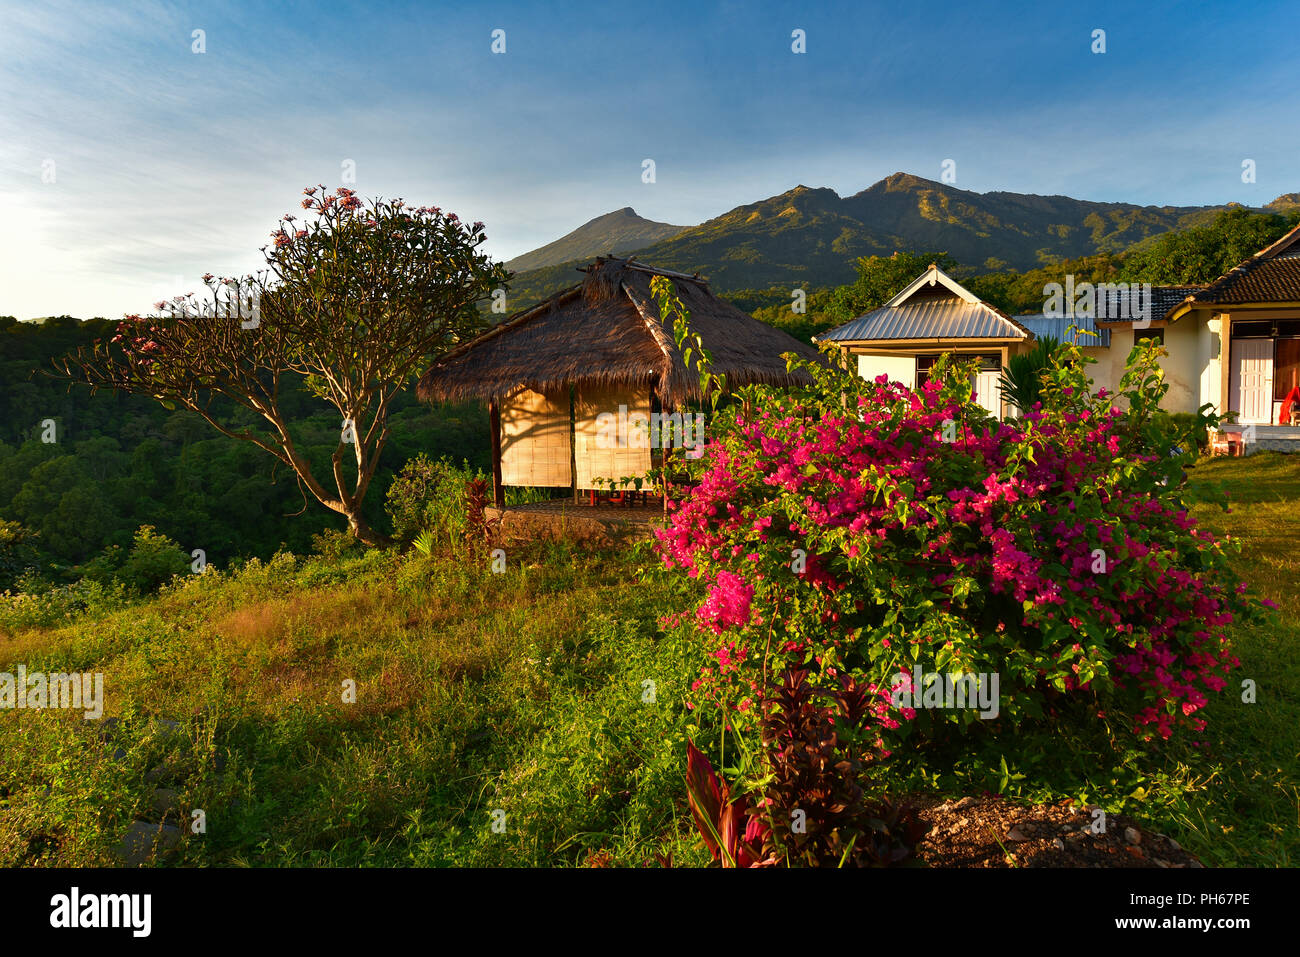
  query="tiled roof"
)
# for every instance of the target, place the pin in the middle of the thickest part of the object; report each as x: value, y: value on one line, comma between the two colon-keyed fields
x: 1163, y: 299
x: 1263, y: 280
x: 948, y: 317
x: 1271, y: 275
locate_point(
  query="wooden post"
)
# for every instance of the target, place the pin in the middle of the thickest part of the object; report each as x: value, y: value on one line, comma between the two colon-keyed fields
x: 573, y: 447
x: 1225, y: 363
x: 1002, y: 399
x: 494, y: 420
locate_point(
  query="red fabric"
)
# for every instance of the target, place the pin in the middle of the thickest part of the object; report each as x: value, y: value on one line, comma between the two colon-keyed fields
x: 1292, y: 399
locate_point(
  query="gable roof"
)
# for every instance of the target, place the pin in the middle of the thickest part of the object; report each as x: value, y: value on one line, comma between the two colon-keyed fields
x: 1271, y: 275
x: 606, y: 331
x: 931, y: 306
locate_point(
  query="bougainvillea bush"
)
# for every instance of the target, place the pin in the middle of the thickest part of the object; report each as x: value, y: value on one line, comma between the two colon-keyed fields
x: 858, y: 530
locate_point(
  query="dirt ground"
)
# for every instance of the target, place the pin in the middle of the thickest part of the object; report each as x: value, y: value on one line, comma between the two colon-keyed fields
x: 994, y: 832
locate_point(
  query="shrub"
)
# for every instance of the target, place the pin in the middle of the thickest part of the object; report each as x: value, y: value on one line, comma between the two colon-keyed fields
x: 332, y: 544
x: 1189, y: 426
x: 1022, y: 379
x: 860, y: 530
x: 17, y: 552
x: 816, y: 805
x: 430, y: 496
x: 152, y: 562
x: 39, y: 605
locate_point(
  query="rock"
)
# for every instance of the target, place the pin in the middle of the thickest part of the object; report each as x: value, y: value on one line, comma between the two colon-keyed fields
x: 119, y: 754
x: 964, y: 802
x: 164, y: 800
x: 1160, y: 863
x: 1060, y: 844
x: 1173, y: 843
x: 156, y: 775
x: 137, y: 846
x: 1132, y: 836
x: 961, y: 822
x: 1015, y: 834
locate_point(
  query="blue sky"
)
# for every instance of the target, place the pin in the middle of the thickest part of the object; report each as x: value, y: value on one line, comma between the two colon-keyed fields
x: 168, y: 163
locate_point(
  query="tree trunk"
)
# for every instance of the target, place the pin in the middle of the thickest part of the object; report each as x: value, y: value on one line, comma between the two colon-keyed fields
x: 365, y: 534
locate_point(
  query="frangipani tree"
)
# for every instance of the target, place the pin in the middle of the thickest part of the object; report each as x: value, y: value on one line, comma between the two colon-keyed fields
x: 354, y: 301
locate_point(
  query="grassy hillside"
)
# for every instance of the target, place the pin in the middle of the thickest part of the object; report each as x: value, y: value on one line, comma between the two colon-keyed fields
x: 475, y: 691
x: 526, y: 692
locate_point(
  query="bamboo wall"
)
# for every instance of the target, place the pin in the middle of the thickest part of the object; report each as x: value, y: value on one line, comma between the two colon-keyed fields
x: 591, y: 460
x: 535, y: 443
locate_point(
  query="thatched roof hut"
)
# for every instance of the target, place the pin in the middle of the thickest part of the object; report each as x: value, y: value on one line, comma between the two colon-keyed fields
x: 550, y: 371
x: 605, y: 331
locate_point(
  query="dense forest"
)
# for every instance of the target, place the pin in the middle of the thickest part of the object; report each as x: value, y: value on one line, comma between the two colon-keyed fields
x: 113, y: 462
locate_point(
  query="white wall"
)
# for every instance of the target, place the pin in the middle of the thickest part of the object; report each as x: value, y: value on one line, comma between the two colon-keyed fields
x: 1186, y: 372
x: 898, y: 368
x: 1210, y: 355
x: 1182, y: 367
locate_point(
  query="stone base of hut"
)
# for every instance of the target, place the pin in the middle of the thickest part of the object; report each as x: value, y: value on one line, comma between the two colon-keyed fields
x: 565, y: 520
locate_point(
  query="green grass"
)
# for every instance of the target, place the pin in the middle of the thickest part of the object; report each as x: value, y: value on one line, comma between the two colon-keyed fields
x: 1243, y: 805
x: 521, y: 692
x: 524, y: 692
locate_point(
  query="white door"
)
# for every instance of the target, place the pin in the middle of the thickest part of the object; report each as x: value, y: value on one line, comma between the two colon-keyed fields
x: 988, y: 391
x: 1251, y: 386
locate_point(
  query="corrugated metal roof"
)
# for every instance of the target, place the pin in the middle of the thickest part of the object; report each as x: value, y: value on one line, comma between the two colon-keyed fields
x: 1059, y: 329
x: 930, y: 318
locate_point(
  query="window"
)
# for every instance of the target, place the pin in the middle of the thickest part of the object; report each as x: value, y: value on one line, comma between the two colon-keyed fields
x: 923, y: 366
x: 1252, y: 329
x: 1154, y: 336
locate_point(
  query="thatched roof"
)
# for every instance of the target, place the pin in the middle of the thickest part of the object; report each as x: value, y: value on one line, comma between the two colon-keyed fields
x: 605, y: 331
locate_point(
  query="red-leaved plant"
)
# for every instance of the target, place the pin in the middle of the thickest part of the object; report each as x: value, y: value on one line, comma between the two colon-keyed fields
x: 732, y: 835
x: 815, y: 804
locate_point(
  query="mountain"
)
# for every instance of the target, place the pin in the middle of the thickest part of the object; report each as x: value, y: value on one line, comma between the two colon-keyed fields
x: 621, y: 231
x: 811, y: 237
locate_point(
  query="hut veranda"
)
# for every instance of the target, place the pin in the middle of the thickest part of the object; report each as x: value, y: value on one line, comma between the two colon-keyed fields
x: 562, y: 378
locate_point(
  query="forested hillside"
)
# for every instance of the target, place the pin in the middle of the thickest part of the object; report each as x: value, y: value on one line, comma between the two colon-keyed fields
x: 118, y: 462
x: 1197, y: 254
